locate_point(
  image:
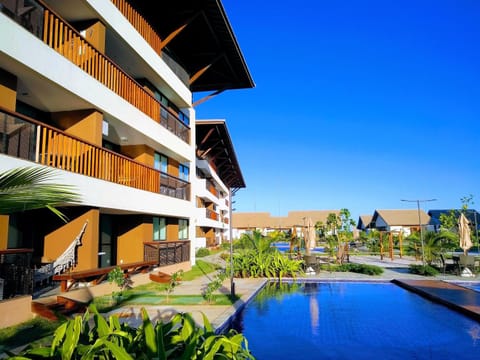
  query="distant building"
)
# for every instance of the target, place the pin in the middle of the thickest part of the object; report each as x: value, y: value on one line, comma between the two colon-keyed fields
x: 472, y: 215
x: 404, y: 221
x: 295, y: 220
x: 364, y: 222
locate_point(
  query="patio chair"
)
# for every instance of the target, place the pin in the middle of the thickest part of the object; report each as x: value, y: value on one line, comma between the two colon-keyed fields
x: 311, y: 261
x: 465, y: 261
x: 447, y: 267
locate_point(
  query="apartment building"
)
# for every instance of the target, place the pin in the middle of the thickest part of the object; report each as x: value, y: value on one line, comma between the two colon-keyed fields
x: 219, y: 176
x: 102, y: 91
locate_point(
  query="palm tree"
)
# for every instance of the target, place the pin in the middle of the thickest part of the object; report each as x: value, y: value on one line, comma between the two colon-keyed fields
x: 434, y: 244
x: 28, y: 188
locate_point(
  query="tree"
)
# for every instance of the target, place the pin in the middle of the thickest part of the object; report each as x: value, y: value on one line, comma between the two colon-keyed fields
x: 434, y: 244
x: 29, y: 188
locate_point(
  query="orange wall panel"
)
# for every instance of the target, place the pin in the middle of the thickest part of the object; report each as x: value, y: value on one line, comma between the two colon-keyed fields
x: 141, y: 153
x: 58, y: 241
x: 84, y: 124
x: 8, y: 90
x: 130, y: 243
x: 4, y: 231
x: 95, y: 35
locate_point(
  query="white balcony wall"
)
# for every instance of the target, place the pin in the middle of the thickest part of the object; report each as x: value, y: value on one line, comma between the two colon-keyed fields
x: 107, y: 195
x: 20, y: 45
x: 114, y: 18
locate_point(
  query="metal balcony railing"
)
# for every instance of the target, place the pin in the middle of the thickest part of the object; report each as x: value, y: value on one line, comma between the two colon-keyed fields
x: 67, y: 41
x: 28, y: 139
x: 167, y: 252
x: 16, y: 274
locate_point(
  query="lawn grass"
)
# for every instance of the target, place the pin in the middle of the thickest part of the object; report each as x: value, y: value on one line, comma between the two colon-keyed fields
x: 27, y: 332
x: 200, y: 268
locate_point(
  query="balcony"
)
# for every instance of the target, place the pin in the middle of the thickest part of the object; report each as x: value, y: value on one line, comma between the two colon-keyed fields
x: 212, y: 215
x: 167, y: 252
x: 151, y: 37
x: 68, y: 42
x: 16, y: 274
x: 28, y: 139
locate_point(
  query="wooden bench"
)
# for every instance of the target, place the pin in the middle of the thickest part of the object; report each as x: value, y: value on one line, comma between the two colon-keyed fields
x: 97, y: 275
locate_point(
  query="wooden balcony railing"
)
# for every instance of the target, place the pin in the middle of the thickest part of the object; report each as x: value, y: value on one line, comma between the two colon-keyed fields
x: 151, y: 37
x: 211, y: 214
x: 28, y: 139
x: 167, y: 252
x: 68, y: 42
x: 211, y: 188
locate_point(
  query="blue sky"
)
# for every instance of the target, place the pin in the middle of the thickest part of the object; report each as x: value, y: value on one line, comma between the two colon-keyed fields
x: 357, y: 104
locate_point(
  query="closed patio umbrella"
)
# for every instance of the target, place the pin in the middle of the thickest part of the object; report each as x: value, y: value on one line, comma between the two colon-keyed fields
x: 309, y: 235
x: 464, y: 233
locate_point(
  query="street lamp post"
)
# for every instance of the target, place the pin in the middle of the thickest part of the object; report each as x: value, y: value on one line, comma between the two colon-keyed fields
x: 418, y: 201
x: 232, y: 284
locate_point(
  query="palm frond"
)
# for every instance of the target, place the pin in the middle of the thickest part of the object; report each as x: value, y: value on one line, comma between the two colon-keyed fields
x: 30, y: 188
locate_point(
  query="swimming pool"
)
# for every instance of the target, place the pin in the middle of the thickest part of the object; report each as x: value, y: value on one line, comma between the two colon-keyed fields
x: 284, y: 247
x: 349, y: 320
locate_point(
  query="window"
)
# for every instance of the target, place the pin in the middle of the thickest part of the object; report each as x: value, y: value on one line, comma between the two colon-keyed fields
x: 182, y: 229
x: 159, y: 228
x: 160, y: 162
x: 183, y: 172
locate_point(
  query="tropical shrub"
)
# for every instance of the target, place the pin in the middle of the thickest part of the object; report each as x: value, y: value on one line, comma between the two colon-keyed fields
x: 120, y: 279
x: 434, y: 245
x: 214, y: 285
x: 255, y: 241
x: 426, y: 270
x: 353, y: 267
x: 173, y: 283
x: 180, y: 338
x: 201, y: 252
x: 251, y: 263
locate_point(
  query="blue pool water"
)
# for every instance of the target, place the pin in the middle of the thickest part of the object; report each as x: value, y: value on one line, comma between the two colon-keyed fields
x: 283, y: 247
x: 348, y: 320
x: 471, y: 285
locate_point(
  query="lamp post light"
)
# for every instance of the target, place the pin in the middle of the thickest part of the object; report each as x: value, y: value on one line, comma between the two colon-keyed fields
x: 232, y: 283
x: 418, y: 201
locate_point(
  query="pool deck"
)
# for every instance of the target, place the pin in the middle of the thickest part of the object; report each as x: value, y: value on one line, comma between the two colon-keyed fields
x: 456, y: 297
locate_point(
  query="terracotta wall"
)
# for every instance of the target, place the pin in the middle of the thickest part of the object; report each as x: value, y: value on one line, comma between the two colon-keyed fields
x: 141, y: 153
x: 8, y: 90
x: 95, y: 35
x: 84, y: 124
x: 173, y: 167
x: 172, y: 229
x: 58, y: 241
x: 4, y: 232
x: 130, y: 239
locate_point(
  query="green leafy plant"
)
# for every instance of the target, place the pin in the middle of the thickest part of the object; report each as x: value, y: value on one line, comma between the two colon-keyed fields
x: 353, y: 267
x: 251, y: 263
x: 202, y: 252
x: 213, y: 286
x: 29, y: 188
x: 179, y: 338
x: 118, y: 277
x: 175, y: 279
x: 426, y: 270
